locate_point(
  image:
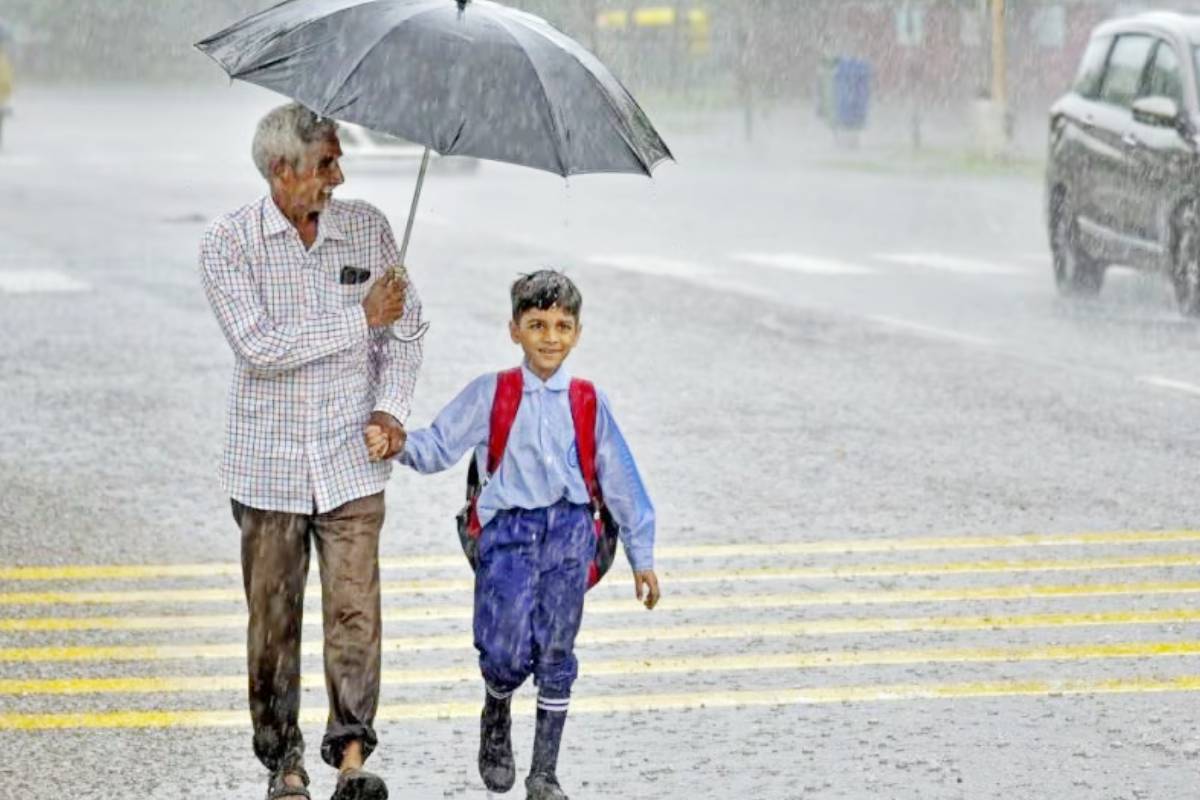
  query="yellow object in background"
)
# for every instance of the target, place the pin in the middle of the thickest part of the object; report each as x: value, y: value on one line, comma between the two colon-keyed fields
x: 696, y: 20
x: 612, y: 20
x: 699, y: 32
x: 654, y: 17
x: 6, y: 79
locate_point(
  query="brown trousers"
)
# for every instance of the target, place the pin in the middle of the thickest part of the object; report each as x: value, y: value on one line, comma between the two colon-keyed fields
x: 275, y: 555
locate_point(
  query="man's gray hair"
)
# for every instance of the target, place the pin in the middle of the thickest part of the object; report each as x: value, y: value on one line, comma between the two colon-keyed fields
x: 287, y: 132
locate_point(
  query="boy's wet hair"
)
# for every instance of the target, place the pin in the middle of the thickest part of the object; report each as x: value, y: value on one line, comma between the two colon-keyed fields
x: 544, y: 290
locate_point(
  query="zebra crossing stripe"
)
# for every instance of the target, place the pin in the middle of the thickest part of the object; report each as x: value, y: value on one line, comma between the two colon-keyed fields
x: 671, y: 603
x: 84, y: 572
x: 632, y: 703
x: 699, y: 664
x: 604, y: 636
x: 752, y: 574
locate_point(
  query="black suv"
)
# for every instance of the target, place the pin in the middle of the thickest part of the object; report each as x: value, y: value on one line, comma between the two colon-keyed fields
x: 1123, y: 174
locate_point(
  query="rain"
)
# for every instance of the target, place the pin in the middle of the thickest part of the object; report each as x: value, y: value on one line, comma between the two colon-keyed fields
x: 871, y: 477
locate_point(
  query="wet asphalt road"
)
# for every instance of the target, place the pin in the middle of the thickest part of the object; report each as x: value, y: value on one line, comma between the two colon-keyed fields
x: 926, y: 529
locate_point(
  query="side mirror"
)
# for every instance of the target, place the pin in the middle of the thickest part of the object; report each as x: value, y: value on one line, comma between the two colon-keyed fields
x: 1161, y: 112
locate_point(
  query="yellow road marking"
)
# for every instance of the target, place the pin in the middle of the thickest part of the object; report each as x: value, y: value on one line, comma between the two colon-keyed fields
x: 954, y: 568
x: 163, y: 623
x: 629, y: 703
x: 823, y: 547
x: 629, y: 606
x: 114, y: 598
x: 642, y: 666
x: 154, y: 685
x: 711, y: 576
x: 600, y: 636
x: 117, y: 572
x: 1002, y: 542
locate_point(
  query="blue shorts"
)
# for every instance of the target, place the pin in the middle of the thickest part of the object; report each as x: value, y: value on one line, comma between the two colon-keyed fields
x: 529, y: 589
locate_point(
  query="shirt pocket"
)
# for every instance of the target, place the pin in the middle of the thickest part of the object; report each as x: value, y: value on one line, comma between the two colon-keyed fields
x: 346, y: 295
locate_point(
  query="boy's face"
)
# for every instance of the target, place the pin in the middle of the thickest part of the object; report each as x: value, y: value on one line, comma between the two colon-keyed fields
x: 547, y: 337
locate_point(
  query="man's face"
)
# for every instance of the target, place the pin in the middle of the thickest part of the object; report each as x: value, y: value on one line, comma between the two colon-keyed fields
x: 547, y: 337
x: 306, y: 188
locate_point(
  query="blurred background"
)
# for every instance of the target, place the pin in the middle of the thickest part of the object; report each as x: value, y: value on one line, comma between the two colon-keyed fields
x: 933, y: 64
x: 927, y: 527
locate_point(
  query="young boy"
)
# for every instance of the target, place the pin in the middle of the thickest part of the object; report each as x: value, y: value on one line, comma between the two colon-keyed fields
x: 538, y: 538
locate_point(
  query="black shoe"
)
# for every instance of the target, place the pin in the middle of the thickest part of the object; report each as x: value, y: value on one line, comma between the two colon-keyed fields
x: 496, y: 764
x: 543, y: 787
x: 358, y: 784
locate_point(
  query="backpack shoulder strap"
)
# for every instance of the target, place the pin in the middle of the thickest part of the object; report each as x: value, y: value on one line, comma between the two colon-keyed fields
x: 505, y: 403
x: 583, y: 414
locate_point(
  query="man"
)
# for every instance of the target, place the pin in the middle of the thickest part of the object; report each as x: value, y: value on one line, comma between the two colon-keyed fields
x: 300, y: 286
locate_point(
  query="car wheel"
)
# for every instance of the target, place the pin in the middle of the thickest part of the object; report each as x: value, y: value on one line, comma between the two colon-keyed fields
x: 1075, y: 273
x: 1185, y: 273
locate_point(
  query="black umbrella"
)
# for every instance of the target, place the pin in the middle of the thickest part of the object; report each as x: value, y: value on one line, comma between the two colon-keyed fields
x: 462, y: 77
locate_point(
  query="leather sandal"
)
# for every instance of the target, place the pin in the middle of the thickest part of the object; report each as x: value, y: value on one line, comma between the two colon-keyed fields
x: 278, y: 789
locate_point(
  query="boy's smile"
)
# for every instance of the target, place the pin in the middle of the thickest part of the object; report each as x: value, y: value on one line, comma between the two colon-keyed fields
x: 547, y: 337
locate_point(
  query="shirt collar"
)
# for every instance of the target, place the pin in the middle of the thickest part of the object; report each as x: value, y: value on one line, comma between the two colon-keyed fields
x: 559, y: 381
x: 328, y: 226
x: 274, y: 222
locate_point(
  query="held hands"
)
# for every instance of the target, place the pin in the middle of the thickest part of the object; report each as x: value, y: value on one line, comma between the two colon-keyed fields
x: 384, y: 436
x: 645, y: 583
x: 377, y: 442
x: 384, y: 303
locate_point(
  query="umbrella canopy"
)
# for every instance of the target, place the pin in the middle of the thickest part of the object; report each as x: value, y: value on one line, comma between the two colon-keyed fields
x: 463, y: 77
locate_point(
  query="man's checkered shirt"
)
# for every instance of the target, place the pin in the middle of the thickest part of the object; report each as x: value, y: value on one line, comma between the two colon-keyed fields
x: 308, y: 371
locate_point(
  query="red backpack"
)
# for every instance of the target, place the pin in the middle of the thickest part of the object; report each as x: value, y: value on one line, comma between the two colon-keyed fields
x: 507, y: 400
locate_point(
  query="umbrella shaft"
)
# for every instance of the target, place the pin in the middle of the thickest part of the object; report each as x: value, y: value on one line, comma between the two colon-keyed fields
x: 412, y: 214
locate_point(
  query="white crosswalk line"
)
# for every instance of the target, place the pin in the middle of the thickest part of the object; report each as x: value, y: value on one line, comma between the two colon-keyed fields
x: 38, y: 281
x: 1170, y: 383
x: 798, y: 262
x: 932, y: 331
x: 651, y: 265
x: 948, y: 263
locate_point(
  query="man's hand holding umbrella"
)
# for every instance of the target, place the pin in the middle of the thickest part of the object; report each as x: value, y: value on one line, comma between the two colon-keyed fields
x: 384, y: 303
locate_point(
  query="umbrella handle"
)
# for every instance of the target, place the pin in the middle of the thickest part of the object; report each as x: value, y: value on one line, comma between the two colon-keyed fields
x: 412, y: 213
x: 423, y: 328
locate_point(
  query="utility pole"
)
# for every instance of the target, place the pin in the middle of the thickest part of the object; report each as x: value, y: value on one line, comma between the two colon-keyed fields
x: 999, y: 58
x: 591, y: 24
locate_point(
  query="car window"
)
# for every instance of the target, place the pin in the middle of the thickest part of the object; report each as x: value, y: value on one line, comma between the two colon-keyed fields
x: 1091, y: 66
x: 1126, y: 63
x: 1164, y: 78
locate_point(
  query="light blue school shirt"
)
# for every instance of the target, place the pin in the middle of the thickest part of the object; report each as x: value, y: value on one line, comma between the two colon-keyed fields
x: 541, y: 463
